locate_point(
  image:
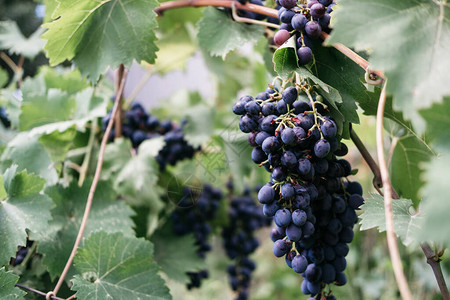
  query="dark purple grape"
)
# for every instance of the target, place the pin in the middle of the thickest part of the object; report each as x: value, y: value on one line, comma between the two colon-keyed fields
x: 253, y: 108
x: 258, y: 155
x: 305, y: 55
x: 282, y: 217
x: 299, y: 264
x: 325, y: 2
x: 321, y: 148
x: 266, y: 194
x: 293, y: 233
x: 289, y: 95
x: 324, y: 22
x: 269, y: 210
x: 289, y: 160
x: 287, y: 191
x: 280, y: 248
x: 298, y: 22
x: 288, y: 4
x: 286, y: 16
x: 277, y: 233
x: 269, y: 109
x: 247, y: 124
x: 317, y: 10
x: 306, y: 121
x: 329, y: 129
x: 313, y: 273
x: 288, y: 136
x: 339, y: 263
x: 301, y: 106
x: 355, y: 201
x: 270, y: 144
x: 282, y: 107
x: 313, y: 29
x: 299, y: 217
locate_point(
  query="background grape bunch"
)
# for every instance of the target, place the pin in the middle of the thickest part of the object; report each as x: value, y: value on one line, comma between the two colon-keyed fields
x: 194, y: 212
x: 312, y: 202
x: 239, y: 240
x: 139, y: 126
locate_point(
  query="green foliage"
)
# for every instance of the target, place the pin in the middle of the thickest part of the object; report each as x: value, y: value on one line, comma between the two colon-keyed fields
x: 406, y: 223
x: 101, y: 34
x: 27, y: 153
x: 114, y: 264
x: 169, y: 248
x: 106, y: 214
x: 435, y: 203
x: 12, y: 39
x: 219, y: 34
x: 8, y: 291
x: 408, y: 40
x: 24, y: 211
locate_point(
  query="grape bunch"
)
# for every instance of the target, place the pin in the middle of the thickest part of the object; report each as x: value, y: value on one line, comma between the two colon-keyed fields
x: 309, y: 197
x: 305, y: 22
x: 245, y: 217
x: 139, y: 126
x: 193, y: 216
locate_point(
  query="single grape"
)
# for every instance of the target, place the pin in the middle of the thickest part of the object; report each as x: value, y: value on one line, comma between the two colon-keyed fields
x: 288, y: 4
x: 298, y: 22
x: 280, y: 248
x: 317, y: 10
x: 282, y: 107
x: 289, y: 95
x: 287, y: 16
x: 313, y: 29
x: 299, y: 264
x: 329, y: 129
x: 282, y: 217
x: 321, y: 148
x: 299, y: 217
x: 281, y: 37
x: 287, y: 191
x: 305, y: 55
x: 355, y: 201
x: 266, y: 194
x: 293, y: 233
x: 247, y: 124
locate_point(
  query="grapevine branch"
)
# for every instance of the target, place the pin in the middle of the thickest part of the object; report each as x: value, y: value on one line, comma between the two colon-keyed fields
x: 37, y: 291
x: 433, y: 260
x: 93, y: 187
x: 377, y: 183
x: 391, y: 238
x: 267, y: 11
x: 432, y: 257
x: 118, y: 120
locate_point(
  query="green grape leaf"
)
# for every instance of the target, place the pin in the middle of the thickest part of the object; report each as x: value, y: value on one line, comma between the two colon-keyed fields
x: 438, y: 121
x: 414, y: 53
x: 57, y: 110
x: 3, y: 77
x: 405, y: 223
x: 26, y: 152
x: 219, y: 34
x: 113, y: 264
x: 338, y: 71
x: 200, y: 124
x: 55, y: 106
x: 169, y: 248
x: 70, y: 82
x: 138, y: 178
x: 117, y: 154
x: 176, y: 32
x: 57, y: 144
x: 408, y: 152
x: 8, y: 290
x: 435, y: 205
x: 106, y: 214
x: 23, y: 209
x: 285, y: 59
x: 12, y: 39
x: 101, y: 34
